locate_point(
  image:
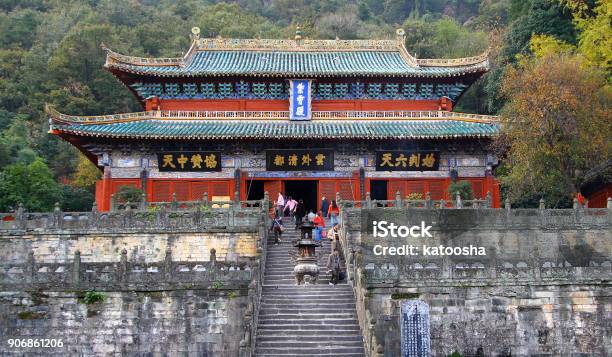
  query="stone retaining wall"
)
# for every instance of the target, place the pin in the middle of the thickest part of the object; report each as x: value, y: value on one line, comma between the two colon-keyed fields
x: 542, y: 289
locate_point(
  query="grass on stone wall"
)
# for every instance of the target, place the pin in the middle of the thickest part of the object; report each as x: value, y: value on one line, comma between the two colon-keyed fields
x: 91, y: 297
x: 30, y: 315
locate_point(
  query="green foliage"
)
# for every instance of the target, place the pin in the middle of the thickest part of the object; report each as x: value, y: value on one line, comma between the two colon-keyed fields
x: 442, y: 38
x: 30, y: 315
x: 463, y: 187
x: 129, y: 194
x: 455, y: 354
x: 92, y: 297
x: 86, y: 175
x: 217, y: 285
x: 76, y: 199
x: 32, y: 184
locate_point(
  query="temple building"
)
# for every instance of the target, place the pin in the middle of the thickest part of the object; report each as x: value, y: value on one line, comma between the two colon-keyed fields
x: 306, y: 117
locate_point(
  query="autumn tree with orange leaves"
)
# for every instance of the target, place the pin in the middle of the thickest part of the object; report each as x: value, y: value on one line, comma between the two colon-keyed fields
x: 556, y: 125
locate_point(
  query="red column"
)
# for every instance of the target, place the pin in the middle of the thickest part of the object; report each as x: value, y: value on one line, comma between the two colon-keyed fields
x: 106, y: 190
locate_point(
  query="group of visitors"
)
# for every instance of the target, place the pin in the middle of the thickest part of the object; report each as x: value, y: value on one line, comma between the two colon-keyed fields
x: 296, y: 209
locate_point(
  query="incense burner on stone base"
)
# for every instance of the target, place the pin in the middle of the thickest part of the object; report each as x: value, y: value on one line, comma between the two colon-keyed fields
x: 306, y: 262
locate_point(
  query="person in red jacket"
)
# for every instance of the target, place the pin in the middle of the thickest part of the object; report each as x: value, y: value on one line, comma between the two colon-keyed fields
x: 319, y: 223
x: 333, y: 213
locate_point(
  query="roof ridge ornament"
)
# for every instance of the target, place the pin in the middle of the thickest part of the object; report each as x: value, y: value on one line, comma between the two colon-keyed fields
x: 195, y: 33
x: 298, y: 33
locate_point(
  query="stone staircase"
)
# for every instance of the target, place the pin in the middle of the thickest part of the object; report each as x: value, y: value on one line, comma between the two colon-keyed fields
x: 306, y: 320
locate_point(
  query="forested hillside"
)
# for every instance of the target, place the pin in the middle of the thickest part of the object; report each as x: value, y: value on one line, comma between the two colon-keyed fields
x: 50, y: 53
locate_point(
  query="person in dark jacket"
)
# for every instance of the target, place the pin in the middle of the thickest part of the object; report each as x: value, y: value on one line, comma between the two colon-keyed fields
x: 324, y: 205
x: 333, y: 265
x: 300, y: 212
x: 277, y: 228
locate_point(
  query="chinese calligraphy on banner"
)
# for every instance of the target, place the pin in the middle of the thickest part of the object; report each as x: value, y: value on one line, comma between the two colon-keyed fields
x: 300, y: 98
x: 407, y: 160
x: 189, y: 161
x: 300, y: 159
x: 414, y: 324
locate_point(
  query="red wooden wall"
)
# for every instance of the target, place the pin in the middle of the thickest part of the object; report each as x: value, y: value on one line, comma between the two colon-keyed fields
x: 599, y: 199
x: 283, y: 105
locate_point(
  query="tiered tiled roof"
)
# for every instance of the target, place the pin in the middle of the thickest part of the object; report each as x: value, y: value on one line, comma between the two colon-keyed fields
x: 270, y: 125
x: 296, y: 58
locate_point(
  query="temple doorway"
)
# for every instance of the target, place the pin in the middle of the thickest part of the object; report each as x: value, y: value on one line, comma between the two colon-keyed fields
x: 303, y: 190
x: 378, y: 190
x: 255, y: 190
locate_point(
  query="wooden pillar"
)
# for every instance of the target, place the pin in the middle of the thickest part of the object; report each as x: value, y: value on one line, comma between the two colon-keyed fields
x: 106, y: 190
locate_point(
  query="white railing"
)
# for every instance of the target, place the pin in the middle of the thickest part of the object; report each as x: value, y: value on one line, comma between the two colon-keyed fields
x: 266, y: 115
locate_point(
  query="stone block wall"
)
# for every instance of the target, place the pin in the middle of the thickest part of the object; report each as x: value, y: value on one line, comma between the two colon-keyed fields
x: 126, y: 323
x: 542, y: 289
x: 171, y: 284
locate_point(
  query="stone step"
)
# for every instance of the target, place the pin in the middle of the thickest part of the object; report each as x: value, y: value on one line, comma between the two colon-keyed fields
x: 300, y: 320
x: 339, y: 287
x: 330, y: 314
x: 282, y: 311
x: 329, y: 328
x: 311, y: 343
x: 312, y: 305
x: 291, y: 354
x: 307, y: 351
x: 309, y: 336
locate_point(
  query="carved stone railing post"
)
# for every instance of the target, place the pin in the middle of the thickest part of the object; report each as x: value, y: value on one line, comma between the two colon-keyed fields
x: 428, y: 203
x: 398, y: 200
x: 127, y: 215
x: 489, y: 200
x: 205, y: 199
x: 368, y: 200
x: 57, y: 216
x: 162, y: 215
x: 542, y: 203
x: 338, y: 199
x: 507, y: 204
x: 442, y: 204
x: 174, y: 203
x: 236, y: 198
x: 265, y: 203
x: 113, y: 202
x: 20, y: 217
x: 213, y: 257
x: 231, y: 215
x: 143, y: 202
x: 609, y: 203
x: 458, y: 202
x: 576, y: 203
x: 94, y: 215
x: 76, y: 268
x: 123, y: 267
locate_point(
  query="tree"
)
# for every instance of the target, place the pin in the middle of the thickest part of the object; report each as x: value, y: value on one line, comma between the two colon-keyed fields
x: 594, y: 24
x: 464, y: 188
x: 32, y: 185
x: 555, y: 126
x: 86, y: 175
x: 75, y: 199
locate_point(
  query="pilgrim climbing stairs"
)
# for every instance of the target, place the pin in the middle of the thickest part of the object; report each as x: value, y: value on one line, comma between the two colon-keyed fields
x: 305, y: 320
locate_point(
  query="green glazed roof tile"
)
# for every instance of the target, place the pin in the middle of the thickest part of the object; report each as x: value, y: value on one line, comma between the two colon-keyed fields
x: 251, y: 129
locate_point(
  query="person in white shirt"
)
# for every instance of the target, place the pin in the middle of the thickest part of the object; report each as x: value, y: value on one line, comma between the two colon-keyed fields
x: 280, y: 205
x: 311, y: 216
